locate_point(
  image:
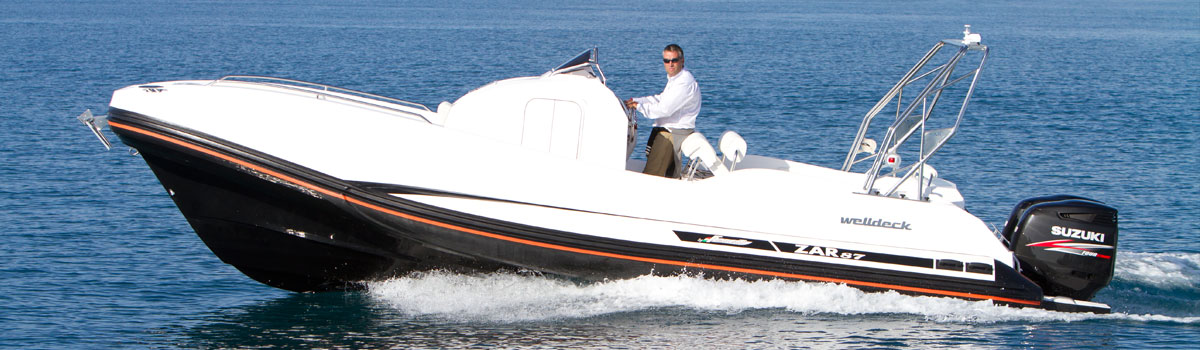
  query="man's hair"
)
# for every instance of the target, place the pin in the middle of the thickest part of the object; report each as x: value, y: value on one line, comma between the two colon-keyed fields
x: 674, y: 48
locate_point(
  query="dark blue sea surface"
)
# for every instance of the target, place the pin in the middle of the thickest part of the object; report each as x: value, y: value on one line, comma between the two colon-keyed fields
x: 1094, y: 98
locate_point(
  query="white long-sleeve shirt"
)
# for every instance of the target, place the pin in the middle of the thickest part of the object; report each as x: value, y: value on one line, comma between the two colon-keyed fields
x: 678, y: 104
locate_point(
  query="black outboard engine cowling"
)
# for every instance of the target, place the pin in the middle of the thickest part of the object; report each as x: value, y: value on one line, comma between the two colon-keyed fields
x: 1065, y: 244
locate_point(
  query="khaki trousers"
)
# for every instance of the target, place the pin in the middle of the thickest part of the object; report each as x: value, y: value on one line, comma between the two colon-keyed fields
x: 663, y: 158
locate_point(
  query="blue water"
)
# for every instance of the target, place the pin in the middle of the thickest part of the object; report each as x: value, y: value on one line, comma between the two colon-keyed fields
x: 1094, y: 98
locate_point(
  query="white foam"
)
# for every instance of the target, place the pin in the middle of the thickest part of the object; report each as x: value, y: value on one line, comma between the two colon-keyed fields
x: 504, y: 297
x: 1161, y: 270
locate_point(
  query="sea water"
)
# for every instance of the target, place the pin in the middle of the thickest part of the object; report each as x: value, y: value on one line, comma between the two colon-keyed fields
x: 1097, y: 98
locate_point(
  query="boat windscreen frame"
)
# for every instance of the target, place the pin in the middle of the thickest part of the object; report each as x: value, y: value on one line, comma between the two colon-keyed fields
x: 586, y: 60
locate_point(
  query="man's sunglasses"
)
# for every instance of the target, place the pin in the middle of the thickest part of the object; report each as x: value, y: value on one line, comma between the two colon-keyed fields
x: 673, y: 60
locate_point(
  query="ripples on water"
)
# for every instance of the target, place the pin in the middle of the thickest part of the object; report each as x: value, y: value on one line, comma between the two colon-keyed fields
x: 1097, y: 99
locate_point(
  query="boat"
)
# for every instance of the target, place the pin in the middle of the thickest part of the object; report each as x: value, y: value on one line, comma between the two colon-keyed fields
x: 310, y: 187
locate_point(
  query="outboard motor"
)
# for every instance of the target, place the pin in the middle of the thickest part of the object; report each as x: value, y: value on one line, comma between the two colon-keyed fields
x: 1065, y: 244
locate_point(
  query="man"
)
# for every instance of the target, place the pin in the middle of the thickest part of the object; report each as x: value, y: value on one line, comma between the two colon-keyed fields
x: 674, y: 113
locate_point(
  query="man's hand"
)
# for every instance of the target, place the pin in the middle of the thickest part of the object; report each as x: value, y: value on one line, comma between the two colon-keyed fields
x: 630, y: 104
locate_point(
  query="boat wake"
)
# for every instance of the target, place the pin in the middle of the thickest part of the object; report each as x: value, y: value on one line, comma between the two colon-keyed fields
x: 1167, y: 271
x: 1156, y: 283
x: 1166, y: 284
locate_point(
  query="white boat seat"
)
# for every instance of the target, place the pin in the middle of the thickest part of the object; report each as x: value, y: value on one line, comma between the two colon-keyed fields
x: 733, y: 149
x: 699, y: 153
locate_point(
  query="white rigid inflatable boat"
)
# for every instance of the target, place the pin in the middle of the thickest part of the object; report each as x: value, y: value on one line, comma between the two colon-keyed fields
x: 309, y: 187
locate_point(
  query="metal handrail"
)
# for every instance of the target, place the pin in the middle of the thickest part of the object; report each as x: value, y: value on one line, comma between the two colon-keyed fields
x: 890, y: 141
x: 326, y: 91
x: 918, y: 167
x: 907, y: 123
x: 895, y: 90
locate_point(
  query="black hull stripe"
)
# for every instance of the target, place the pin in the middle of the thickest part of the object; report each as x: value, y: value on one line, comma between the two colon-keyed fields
x: 368, y: 205
x: 813, y: 250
